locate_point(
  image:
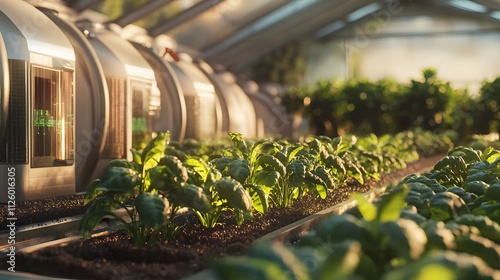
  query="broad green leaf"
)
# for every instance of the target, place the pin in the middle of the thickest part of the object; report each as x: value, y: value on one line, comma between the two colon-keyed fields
x: 342, y: 261
x: 374, y: 157
x: 222, y: 163
x: 267, y: 179
x: 315, y: 183
x: 157, y: 177
x: 355, y: 171
x: 256, y: 149
x: 177, y: 172
x: 93, y: 191
x: 110, y: 201
x: 281, y: 255
x: 433, y: 184
x: 248, y: 268
x: 442, y: 265
x: 336, y: 144
x: 454, y: 166
x: 468, y: 154
x: 199, y: 166
x: 491, y: 209
x: 336, y: 163
x: 118, y: 163
x: 153, y: 152
x: 447, y: 205
x: 481, y: 247
x: 316, y: 146
x: 404, y: 238
x: 494, y: 167
x: 150, y: 208
x: 375, y: 175
x: 90, y: 220
x: 294, y: 151
x: 213, y: 176
x: 490, y: 154
x: 486, y: 226
x: 194, y: 197
x: 136, y: 156
x: 239, y: 170
x: 236, y: 196
x: 259, y: 197
x: 327, y: 143
x: 269, y: 160
x: 390, y: 205
x: 321, y: 172
x: 240, y: 144
x: 339, y: 228
x: 321, y: 191
x: 365, y: 207
x: 296, y: 174
x: 281, y: 156
x: 429, y: 271
x: 119, y: 179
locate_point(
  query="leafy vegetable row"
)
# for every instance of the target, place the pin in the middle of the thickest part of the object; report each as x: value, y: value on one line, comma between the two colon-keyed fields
x: 246, y: 179
x: 440, y: 225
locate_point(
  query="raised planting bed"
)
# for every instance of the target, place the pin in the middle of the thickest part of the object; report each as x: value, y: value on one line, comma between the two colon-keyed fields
x: 38, y: 212
x: 443, y: 224
x: 113, y: 256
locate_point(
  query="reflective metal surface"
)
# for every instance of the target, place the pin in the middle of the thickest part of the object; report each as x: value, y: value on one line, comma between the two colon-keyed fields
x: 4, y: 90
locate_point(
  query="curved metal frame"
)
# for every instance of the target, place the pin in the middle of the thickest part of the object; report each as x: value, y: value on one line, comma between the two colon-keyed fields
x: 177, y: 115
x: 189, y: 90
x: 99, y: 97
x: 4, y: 88
x: 94, y: 69
x: 224, y: 110
x: 278, y: 122
x: 230, y: 95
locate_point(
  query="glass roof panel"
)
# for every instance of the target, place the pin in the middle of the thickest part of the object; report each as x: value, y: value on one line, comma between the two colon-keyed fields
x: 468, y: 6
x: 168, y: 12
x: 222, y: 21
x: 116, y: 8
x: 495, y: 15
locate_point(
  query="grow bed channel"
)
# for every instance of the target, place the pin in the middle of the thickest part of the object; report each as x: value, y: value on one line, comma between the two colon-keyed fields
x: 112, y: 256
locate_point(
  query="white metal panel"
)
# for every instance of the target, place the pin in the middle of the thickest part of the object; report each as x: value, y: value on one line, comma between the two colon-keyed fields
x: 42, y: 35
x: 4, y: 88
x: 135, y: 65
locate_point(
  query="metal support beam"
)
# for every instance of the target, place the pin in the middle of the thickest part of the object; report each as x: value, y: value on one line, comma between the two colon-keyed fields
x: 183, y: 17
x: 274, y: 18
x: 292, y: 27
x: 491, y: 4
x: 141, y: 12
x: 81, y: 5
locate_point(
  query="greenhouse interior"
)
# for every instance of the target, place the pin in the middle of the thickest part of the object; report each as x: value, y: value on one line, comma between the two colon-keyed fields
x: 250, y: 139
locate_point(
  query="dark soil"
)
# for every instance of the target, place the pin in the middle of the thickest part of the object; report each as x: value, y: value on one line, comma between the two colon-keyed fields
x: 114, y: 257
x: 44, y: 210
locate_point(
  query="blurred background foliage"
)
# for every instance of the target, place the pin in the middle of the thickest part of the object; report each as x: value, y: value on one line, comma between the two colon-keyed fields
x: 285, y: 65
x: 334, y: 107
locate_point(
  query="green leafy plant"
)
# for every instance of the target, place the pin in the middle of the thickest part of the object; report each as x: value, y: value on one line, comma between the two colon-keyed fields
x: 262, y: 169
x: 486, y: 113
x: 389, y: 239
x: 224, y: 193
x: 337, y: 108
x: 339, y: 158
x: 123, y: 185
x: 149, y: 188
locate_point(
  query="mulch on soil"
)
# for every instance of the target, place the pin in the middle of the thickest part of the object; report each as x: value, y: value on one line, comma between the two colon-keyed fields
x: 114, y: 257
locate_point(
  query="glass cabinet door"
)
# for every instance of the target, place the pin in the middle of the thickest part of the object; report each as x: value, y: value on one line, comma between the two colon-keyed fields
x: 53, y: 118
